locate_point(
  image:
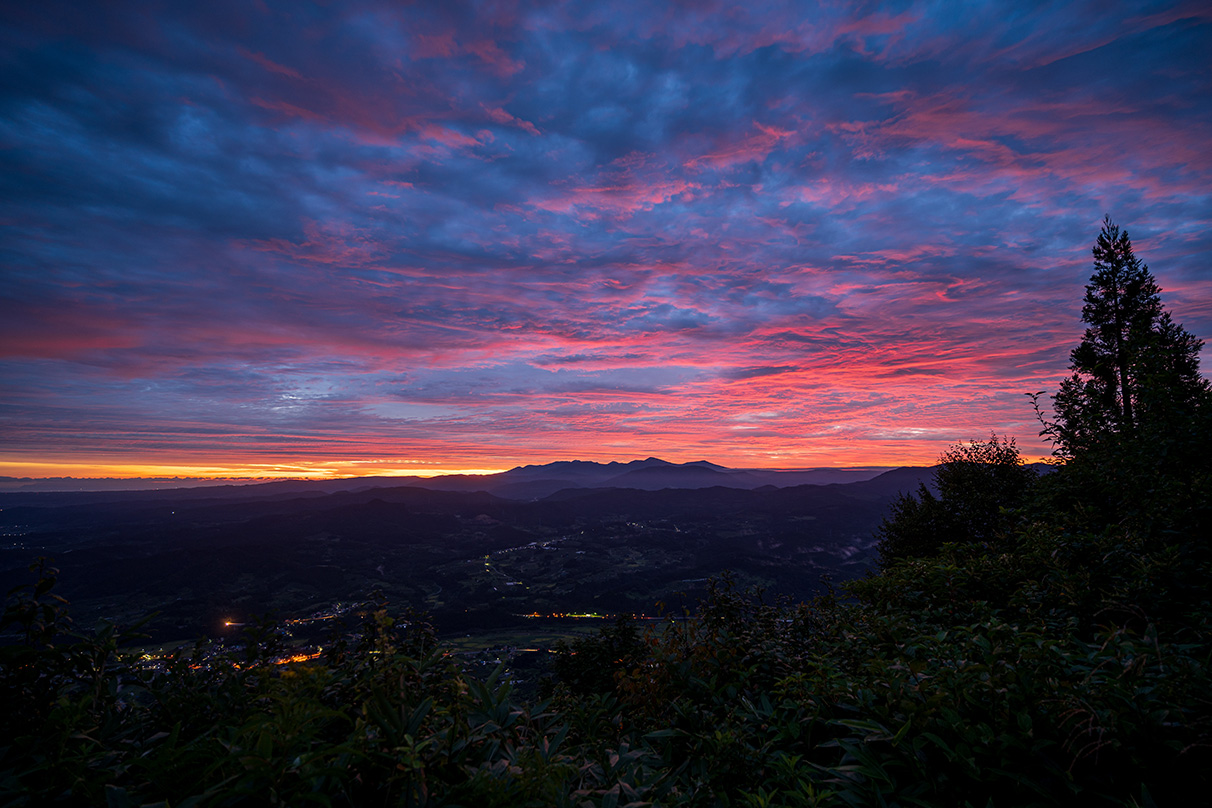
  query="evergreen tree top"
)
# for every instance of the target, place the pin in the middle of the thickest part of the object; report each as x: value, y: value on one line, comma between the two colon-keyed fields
x: 1122, y: 295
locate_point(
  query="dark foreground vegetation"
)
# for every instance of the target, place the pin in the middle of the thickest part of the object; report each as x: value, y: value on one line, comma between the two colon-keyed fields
x: 1028, y: 640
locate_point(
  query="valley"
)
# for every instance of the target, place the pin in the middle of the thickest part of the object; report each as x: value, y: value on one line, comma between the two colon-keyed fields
x: 204, y: 560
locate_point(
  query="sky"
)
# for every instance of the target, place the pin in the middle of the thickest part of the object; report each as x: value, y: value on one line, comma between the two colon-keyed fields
x: 336, y: 238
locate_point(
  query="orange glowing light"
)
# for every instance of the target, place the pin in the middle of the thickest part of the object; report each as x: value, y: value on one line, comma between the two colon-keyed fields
x: 297, y: 658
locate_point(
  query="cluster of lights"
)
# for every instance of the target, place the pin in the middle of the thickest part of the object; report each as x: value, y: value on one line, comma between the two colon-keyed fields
x: 578, y: 615
x: 299, y: 621
x: 296, y: 658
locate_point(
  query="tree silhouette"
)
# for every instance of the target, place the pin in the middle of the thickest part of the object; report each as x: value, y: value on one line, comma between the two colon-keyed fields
x: 978, y: 484
x: 1135, y: 369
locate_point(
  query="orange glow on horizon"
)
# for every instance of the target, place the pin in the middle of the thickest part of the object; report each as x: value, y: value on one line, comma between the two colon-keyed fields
x: 875, y: 454
x: 235, y: 471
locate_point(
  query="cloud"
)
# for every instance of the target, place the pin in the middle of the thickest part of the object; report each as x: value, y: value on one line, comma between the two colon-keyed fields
x: 755, y: 372
x: 514, y: 233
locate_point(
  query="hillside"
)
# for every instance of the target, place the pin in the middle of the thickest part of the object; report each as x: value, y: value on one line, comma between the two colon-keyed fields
x: 199, y: 558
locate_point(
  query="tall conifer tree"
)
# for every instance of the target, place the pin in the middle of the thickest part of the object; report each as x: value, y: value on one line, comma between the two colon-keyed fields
x: 1135, y: 369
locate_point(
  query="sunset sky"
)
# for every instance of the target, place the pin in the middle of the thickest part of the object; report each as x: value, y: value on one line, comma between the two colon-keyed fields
x: 268, y: 238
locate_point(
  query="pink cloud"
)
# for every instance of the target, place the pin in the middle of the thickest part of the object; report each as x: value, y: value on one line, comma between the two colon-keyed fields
x: 65, y: 331
x: 290, y: 110
x: 447, y: 137
x: 447, y: 44
x: 270, y: 65
x: 434, y: 46
x: 836, y: 193
x: 331, y: 243
x: 756, y: 146
x: 499, y: 115
x: 493, y: 56
x: 624, y: 198
x: 1058, y: 146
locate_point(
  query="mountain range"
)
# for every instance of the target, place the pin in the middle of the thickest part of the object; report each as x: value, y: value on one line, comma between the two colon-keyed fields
x: 520, y: 483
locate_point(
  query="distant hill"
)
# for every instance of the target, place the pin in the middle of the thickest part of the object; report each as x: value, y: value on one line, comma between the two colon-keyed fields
x: 522, y: 483
x: 655, y: 478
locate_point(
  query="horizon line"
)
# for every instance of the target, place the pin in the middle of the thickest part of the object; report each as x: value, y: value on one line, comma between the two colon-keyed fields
x: 24, y: 483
